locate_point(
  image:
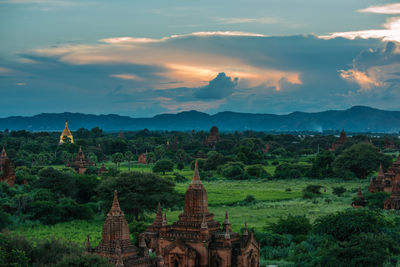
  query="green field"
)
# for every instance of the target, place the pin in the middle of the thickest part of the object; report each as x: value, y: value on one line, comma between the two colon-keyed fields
x: 272, y: 202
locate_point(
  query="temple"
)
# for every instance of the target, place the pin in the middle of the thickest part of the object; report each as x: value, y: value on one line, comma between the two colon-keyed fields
x: 359, y: 202
x: 213, y: 137
x: 80, y: 164
x: 66, y: 133
x: 196, y: 239
x: 388, y: 182
x: 384, y: 182
x: 115, y: 244
x: 142, y: 159
x: 342, y: 139
x: 7, y: 170
x: 102, y: 169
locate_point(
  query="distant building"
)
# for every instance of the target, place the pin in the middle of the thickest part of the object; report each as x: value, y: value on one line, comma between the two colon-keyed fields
x: 213, y: 137
x: 360, y: 201
x: 7, y: 170
x: 142, y: 159
x: 388, y: 181
x: 342, y: 139
x: 80, y: 164
x: 66, y: 133
x: 102, y: 169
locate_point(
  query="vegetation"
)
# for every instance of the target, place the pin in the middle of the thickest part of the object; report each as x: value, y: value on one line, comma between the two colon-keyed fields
x: 295, y: 199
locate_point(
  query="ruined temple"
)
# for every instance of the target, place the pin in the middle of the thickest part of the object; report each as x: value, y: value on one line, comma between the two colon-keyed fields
x: 66, y: 133
x: 102, y: 169
x: 142, y: 159
x: 359, y: 202
x: 196, y: 239
x: 342, y: 139
x: 115, y: 244
x: 213, y: 137
x: 7, y: 170
x: 385, y: 180
x: 80, y: 164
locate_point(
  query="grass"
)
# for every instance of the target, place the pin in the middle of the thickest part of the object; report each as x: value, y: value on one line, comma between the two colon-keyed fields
x: 272, y: 202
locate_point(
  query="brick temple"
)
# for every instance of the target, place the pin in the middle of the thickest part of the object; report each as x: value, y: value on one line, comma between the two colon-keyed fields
x: 80, y: 164
x: 195, y: 240
x: 342, y: 139
x: 213, y: 137
x: 115, y: 244
x: 388, y: 182
x: 7, y: 170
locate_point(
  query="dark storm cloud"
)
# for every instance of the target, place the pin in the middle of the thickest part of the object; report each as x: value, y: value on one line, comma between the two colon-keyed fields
x: 386, y: 55
x: 220, y: 87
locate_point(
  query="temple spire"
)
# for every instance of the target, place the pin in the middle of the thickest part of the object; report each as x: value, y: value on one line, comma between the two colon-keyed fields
x: 164, y: 221
x: 245, y: 231
x: 227, y: 224
x: 359, y: 193
x: 159, y: 216
x: 3, y: 153
x: 196, y: 176
x: 88, y: 246
x: 115, y: 208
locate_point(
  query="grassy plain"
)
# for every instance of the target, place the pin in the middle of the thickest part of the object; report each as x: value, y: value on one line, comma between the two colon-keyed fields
x: 273, y: 200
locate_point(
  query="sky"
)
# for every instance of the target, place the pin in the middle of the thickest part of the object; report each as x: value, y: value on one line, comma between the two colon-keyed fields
x: 142, y: 58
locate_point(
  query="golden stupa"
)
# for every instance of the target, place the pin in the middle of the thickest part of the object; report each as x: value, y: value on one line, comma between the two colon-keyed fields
x: 66, y: 133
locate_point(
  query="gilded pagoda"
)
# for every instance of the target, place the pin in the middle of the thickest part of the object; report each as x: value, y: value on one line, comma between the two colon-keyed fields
x: 66, y: 133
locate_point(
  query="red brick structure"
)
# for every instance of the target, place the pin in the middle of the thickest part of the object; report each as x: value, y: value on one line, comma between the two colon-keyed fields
x: 342, y: 139
x: 196, y: 239
x: 384, y: 181
x: 360, y: 201
x: 80, y: 164
x: 102, y: 169
x: 115, y: 243
x: 142, y: 159
x: 393, y: 202
x: 377, y: 184
x: 213, y: 137
x: 7, y: 170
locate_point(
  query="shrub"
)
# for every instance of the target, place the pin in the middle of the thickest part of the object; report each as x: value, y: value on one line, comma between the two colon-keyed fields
x: 311, y: 191
x: 338, y: 190
x: 292, y: 225
x: 257, y: 171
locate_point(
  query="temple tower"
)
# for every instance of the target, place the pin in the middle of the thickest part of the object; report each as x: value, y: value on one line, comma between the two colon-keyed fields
x: 66, y: 133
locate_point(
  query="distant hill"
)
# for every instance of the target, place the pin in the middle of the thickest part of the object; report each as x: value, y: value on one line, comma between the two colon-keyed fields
x: 355, y: 119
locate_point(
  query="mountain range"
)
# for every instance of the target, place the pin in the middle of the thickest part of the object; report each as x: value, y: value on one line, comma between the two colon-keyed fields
x: 355, y: 119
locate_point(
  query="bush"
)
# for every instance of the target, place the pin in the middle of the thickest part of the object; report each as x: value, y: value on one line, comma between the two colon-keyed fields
x: 339, y: 190
x: 257, y: 171
x: 163, y: 165
x: 312, y: 191
x: 249, y: 199
x: 179, y: 178
x: 292, y: 225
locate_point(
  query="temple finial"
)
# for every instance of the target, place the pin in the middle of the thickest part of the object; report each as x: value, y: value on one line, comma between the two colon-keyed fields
x: 164, y: 221
x: 245, y: 231
x: 196, y: 176
x: 3, y: 153
x: 204, y: 222
x: 115, y: 208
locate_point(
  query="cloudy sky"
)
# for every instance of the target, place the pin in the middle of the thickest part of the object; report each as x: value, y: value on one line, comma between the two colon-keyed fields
x: 142, y: 58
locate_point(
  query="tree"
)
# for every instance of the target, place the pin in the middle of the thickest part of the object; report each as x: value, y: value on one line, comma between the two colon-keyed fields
x: 146, y: 190
x: 338, y: 190
x: 117, y: 158
x: 292, y: 225
x: 361, y: 160
x: 163, y: 165
x: 129, y: 157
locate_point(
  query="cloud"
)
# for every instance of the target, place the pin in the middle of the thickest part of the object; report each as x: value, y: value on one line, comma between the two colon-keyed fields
x: 390, y: 32
x: 383, y: 9
x: 220, y: 87
x: 208, y: 72
x: 375, y: 68
x: 125, y: 76
x: 264, y: 20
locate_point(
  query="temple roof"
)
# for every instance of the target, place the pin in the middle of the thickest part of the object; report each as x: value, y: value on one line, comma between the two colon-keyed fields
x: 66, y: 131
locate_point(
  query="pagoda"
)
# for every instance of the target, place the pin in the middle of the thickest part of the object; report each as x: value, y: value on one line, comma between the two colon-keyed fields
x: 196, y: 239
x: 342, y: 139
x: 359, y: 201
x: 377, y: 184
x: 393, y: 202
x: 66, y: 133
x: 213, y: 137
x: 142, y: 159
x: 115, y: 244
x: 80, y: 164
x: 7, y: 170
